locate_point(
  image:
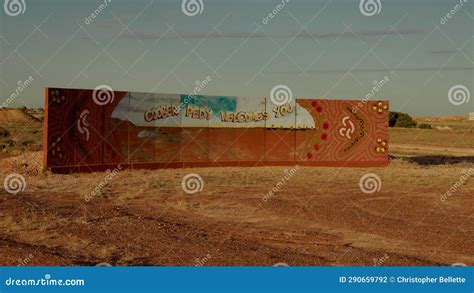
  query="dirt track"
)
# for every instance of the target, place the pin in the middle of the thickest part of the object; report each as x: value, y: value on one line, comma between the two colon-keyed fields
x: 320, y: 216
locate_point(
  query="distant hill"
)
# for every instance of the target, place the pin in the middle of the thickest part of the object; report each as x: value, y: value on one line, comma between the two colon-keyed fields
x: 16, y: 116
x: 441, y: 118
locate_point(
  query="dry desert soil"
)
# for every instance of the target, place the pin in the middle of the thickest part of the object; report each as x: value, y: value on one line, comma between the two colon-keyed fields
x: 320, y: 216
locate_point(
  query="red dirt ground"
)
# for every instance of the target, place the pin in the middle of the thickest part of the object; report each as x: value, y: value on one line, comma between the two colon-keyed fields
x: 319, y: 216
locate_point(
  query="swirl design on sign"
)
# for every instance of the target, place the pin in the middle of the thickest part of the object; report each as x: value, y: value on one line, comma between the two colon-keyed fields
x: 83, y: 124
x: 347, y: 128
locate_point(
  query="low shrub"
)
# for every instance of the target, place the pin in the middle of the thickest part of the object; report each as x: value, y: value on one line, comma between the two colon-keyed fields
x: 399, y: 119
x: 425, y: 126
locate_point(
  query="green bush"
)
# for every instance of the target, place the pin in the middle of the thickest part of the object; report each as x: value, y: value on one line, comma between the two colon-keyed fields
x: 425, y: 126
x: 398, y: 119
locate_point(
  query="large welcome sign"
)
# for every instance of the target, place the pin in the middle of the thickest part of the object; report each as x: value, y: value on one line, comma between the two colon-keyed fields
x: 89, y: 130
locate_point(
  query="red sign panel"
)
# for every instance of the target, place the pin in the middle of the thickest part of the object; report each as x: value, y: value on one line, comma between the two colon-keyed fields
x: 89, y: 130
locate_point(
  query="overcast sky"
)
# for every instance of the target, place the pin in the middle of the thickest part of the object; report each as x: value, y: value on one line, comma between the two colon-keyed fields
x: 332, y: 49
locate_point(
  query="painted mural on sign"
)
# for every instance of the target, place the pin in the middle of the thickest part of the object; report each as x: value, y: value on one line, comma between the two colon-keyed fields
x: 150, y: 130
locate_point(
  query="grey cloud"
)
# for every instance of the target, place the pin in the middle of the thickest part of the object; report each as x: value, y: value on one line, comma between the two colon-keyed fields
x: 170, y: 35
x: 448, y: 51
x: 388, y: 70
